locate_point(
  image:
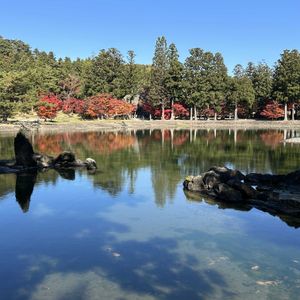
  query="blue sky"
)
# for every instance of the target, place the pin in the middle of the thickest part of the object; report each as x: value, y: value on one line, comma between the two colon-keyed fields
x: 241, y: 30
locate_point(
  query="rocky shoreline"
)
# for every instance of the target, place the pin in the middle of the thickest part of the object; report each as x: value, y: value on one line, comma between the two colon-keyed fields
x: 275, y: 194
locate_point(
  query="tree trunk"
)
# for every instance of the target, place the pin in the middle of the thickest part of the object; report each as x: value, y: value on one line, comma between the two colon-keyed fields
x: 150, y: 117
x: 172, y: 110
x: 163, y: 112
x: 191, y: 113
x: 215, y: 116
x: 293, y: 112
x: 195, y: 113
x: 235, y: 112
x: 235, y: 135
x: 285, y: 112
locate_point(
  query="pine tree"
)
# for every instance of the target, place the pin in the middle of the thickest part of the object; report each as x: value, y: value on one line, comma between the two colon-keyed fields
x: 158, y: 95
x: 105, y: 74
x: 130, y: 75
x: 174, y: 77
x: 286, y: 87
x: 261, y: 77
x: 218, y: 82
x: 239, y: 90
x: 198, y: 76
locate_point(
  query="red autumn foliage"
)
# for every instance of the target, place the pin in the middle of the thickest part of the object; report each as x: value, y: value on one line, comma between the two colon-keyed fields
x: 48, y: 107
x: 272, y: 139
x: 106, y: 106
x: 272, y: 110
x: 207, y: 112
x: 94, y: 141
x: 51, y: 144
x: 180, y: 111
x: 148, y: 108
x: 73, y: 106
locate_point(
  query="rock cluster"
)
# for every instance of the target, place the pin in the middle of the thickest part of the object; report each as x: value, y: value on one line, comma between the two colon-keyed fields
x: 272, y: 193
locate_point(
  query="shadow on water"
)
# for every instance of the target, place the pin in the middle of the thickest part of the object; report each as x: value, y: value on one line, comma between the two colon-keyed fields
x: 289, y: 220
x: 26, y: 181
x: 25, y: 185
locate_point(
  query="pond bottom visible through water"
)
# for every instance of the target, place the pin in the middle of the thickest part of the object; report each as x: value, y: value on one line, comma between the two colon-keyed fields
x: 130, y: 232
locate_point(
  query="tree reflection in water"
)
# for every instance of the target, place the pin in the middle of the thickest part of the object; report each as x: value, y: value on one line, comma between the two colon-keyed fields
x: 169, y: 154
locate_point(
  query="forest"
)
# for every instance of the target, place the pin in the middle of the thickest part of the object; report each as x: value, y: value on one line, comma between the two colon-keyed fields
x: 109, y: 85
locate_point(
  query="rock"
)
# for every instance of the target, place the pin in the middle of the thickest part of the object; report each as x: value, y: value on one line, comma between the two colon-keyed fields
x: 194, y: 183
x: 247, y: 190
x: 255, y: 178
x: 44, y: 161
x: 23, y: 151
x: 275, y: 194
x: 66, y: 158
x: 90, y: 164
x: 226, y: 174
x: 211, y: 179
x: 293, y: 178
x: 227, y: 193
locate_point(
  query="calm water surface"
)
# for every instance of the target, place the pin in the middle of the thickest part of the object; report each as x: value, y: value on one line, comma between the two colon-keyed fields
x: 130, y: 232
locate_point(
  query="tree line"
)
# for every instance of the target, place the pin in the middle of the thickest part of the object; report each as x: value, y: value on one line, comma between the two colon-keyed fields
x: 103, y: 85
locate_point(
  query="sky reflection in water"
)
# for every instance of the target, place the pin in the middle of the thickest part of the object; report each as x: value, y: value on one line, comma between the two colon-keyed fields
x: 130, y: 232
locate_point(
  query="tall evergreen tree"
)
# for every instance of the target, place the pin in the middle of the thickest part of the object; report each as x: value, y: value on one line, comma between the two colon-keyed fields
x: 130, y: 75
x: 105, y: 73
x: 158, y: 95
x: 261, y: 77
x: 287, y: 79
x: 240, y: 90
x: 199, y: 71
x: 218, y: 83
x: 174, y: 79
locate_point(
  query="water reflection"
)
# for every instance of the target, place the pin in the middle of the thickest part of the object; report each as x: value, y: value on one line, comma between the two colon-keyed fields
x: 129, y: 231
x: 289, y: 220
x: 24, y: 187
x: 169, y: 154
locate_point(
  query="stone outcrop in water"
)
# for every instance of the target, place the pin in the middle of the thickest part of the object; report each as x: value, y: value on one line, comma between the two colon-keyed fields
x: 26, y: 159
x: 24, y: 154
x: 272, y: 193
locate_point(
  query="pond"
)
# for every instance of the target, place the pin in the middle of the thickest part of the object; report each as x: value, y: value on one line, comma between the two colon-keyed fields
x: 128, y: 231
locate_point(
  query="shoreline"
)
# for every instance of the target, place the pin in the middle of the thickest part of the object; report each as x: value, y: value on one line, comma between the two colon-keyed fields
x: 111, y: 125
